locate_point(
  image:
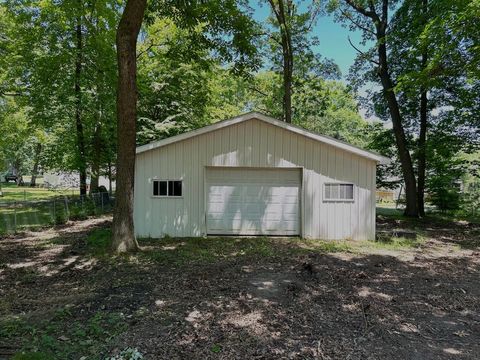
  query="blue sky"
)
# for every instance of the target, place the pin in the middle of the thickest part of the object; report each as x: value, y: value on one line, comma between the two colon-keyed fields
x: 333, y: 42
x: 333, y: 38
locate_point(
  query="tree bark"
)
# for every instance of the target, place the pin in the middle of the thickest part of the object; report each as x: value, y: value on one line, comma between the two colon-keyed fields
x: 282, y: 14
x: 422, y: 161
x: 82, y: 166
x: 38, y: 150
x: 127, y: 33
x: 411, y: 208
x: 380, y: 22
x: 96, y: 159
x: 422, y: 139
x: 110, y: 190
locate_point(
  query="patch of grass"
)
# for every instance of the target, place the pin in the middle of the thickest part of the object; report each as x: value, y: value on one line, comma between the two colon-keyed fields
x: 391, y: 213
x: 432, y: 216
x: 204, y: 250
x: 328, y: 246
x: 21, y: 215
x: 25, y: 216
x: 12, y: 192
x: 99, y: 242
x: 396, y: 243
x: 63, y: 336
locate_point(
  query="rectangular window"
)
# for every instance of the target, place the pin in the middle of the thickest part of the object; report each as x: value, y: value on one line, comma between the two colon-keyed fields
x: 167, y: 188
x: 338, y: 192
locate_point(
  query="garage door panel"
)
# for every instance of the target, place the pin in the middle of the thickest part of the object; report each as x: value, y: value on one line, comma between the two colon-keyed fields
x: 272, y: 217
x: 253, y: 201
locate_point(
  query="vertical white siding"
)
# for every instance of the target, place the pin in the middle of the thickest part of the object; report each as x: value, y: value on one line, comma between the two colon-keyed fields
x: 254, y: 143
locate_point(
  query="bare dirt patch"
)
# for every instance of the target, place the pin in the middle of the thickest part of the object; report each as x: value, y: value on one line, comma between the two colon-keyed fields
x: 238, y: 299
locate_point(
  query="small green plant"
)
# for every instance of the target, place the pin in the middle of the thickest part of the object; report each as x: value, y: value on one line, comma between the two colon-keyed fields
x: 99, y: 241
x: 63, y: 337
x: 216, y: 348
x: 60, y: 218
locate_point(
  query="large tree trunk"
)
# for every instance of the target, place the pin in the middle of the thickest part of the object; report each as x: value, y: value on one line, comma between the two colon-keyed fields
x: 127, y: 33
x: 82, y: 166
x: 422, y: 139
x: 38, y: 150
x: 281, y: 14
x: 411, y: 208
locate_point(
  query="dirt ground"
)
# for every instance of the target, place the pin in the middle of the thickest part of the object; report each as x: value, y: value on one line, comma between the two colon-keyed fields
x: 250, y: 299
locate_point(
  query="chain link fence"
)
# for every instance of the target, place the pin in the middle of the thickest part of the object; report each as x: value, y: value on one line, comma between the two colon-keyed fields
x: 17, y: 216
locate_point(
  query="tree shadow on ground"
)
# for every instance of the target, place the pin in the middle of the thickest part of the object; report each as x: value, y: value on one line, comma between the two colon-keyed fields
x: 243, y: 298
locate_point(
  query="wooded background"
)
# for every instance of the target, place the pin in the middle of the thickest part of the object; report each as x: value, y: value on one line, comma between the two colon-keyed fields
x: 201, y: 62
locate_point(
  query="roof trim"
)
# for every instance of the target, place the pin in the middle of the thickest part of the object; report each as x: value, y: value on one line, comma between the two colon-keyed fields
x: 259, y: 116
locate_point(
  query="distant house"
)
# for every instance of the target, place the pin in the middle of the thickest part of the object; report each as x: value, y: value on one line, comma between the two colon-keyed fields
x: 70, y: 180
x: 255, y: 175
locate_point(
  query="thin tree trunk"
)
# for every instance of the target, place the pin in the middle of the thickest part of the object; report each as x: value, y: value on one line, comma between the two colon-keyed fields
x: 411, y: 208
x: 422, y: 161
x: 38, y: 150
x: 82, y: 167
x: 380, y: 22
x: 96, y: 159
x: 127, y: 33
x: 110, y: 179
x: 281, y: 15
x: 422, y: 139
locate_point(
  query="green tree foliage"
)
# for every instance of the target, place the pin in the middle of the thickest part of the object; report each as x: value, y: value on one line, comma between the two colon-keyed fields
x: 433, y: 64
x: 288, y: 48
x: 16, y: 141
x: 42, y: 73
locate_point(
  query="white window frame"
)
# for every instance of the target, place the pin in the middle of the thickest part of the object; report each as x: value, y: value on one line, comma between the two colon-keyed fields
x: 338, y: 200
x: 167, y: 196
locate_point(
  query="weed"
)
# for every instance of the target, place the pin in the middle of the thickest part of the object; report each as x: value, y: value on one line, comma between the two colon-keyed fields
x: 99, y: 242
x: 64, y: 337
x: 216, y: 348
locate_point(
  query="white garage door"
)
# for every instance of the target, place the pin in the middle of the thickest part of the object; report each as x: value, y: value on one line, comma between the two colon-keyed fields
x: 253, y: 201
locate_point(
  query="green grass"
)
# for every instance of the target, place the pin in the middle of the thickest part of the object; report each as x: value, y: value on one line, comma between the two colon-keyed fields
x: 31, y: 215
x: 326, y: 246
x: 395, y: 243
x: 181, y: 251
x: 12, y: 192
x: 99, y: 242
x: 63, y: 336
x: 23, y: 217
x: 204, y: 250
x: 178, y: 251
x: 431, y: 216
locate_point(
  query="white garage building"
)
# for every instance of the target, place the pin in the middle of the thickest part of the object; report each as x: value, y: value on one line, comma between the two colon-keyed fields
x: 255, y: 175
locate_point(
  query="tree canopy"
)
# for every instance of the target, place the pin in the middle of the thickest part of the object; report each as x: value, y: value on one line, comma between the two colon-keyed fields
x: 201, y: 62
